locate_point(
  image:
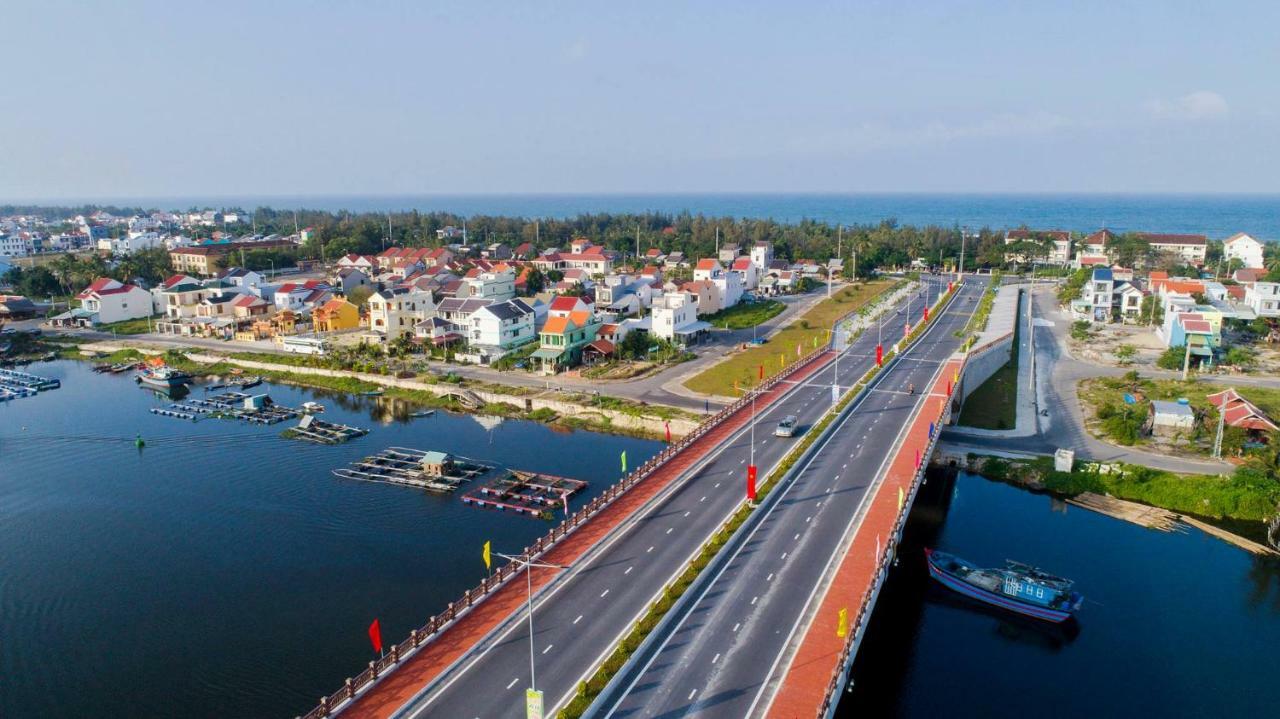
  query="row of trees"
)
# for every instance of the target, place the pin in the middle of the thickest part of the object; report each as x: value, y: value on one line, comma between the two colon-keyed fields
x: 68, y: 274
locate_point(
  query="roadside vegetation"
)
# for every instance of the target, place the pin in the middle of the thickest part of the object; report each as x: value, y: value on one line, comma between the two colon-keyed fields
x: 745, y: 314
x: 743, y: 368
x: 127, y: 327
x: 978, y: 322
x: 994, y: 404
x: 1251, y: 493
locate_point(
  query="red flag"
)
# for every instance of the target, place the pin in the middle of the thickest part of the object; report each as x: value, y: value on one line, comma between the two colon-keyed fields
x: 375, y: 636
x: 667, y: 426
x: 926, y: 314
x: 751, y: 482
x: 761, y: 371
x: 879, y: 355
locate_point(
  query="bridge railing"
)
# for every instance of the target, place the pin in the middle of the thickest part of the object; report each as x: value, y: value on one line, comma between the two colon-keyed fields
x: 885, y: 560
x: 353, y: 686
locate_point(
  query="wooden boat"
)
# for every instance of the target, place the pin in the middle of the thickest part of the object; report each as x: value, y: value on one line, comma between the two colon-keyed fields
x: 422, y: 413
x: 1017, y: 587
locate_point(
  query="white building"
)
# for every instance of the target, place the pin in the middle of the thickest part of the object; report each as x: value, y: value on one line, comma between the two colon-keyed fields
x: 1263, y: 298
x: 1188, y: 248
x: 729, y: 284
x: 114, y: 301
x: 674, y: 317
x: 12, y: 246
x: 747, y: 272
x: 498, y: 328
x: 1244, y: 248
x: 498, y: 286
x: 393, y: 312
x: 762, y: 256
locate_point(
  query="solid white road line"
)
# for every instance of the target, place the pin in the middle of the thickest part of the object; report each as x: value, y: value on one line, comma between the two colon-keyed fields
x: 695, y: 691
x: 650, y: 549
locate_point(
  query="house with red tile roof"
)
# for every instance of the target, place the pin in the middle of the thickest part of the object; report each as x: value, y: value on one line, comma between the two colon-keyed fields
x: 114, y: 301
x: 1239, y: 412
x: 562, y: 339
x: 1187, y: 248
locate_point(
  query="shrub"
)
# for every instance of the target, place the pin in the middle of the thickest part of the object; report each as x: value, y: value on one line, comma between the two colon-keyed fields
x: 1172, y: 358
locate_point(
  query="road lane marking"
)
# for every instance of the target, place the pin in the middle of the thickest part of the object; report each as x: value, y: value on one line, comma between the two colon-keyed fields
x: 628, y: 571
x: 650, y: 549
x: 717, y: 485
x: 715, y: 658
x: 735, y: 627
x: 513, y: 682
x: 794, y: 538
x: 806, y: 519
x: 604, y: 593
x: 669, y: 529
x: 695, y: 691
x: 704, y: 498
x: 784, y: 555
x: 578, y: 619
x: 544, y: 651
x: 769, y: 578
x: 687, y: 513
x: 753, y: 600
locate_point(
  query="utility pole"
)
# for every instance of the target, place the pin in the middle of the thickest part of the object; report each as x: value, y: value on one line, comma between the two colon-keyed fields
x: 637, y: 242
x: 1186, y: 360
x: 964, y: 232
x: 295, y: 222
x: 1217, y: 442
x: 389, y: 228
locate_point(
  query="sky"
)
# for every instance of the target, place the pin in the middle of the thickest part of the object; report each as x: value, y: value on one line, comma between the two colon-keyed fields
x: 178, y: 99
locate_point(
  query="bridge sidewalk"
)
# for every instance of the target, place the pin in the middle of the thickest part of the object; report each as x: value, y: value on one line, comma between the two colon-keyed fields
x: 808, y: 679
x: 400, y: 686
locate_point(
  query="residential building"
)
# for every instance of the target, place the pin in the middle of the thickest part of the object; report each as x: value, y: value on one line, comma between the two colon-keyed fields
x: 363, y: 263
x: 179, y: 296
x: 497, y: 328
x: 1241, y: 246
x: 498, y: 285
x: 568, y: 304
x: 1263, y: 298
x: 207, y: 259
x: 351, y: 278
x: 1239, y: 412
x: 727, y: 254
x: 1057, y: 245
x: 12, y: 246
x: 707, y: 269
x: 562, y: 339
x: 674, y: 317
x: 705, y: 296
x: 762, y: 256
x: 250, y: 307
x: 457, y: 311
x: 1188, y: 248
x: 395, y: 311
x: 335, y: 315
x: 1170, y: 417
x: 113, y: 301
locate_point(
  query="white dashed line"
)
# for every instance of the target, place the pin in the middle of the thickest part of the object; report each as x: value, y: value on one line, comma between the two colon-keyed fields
x: 704, y: 498
x: 794, y: 538
x: 715, y: 658
x: 687, y: 513
x: 628, y: 571
x: 544, y: 651
x: 513, y: 682
x: 769, y: 578
x: 695, y: 691
x: 669, y: 529
x: 754, y: 599
x: 735, y: 627
x: 806, y: 519
x: 784, y: 554
x: 578, y: 619
x: 650, y: 549
x: 604, y: 593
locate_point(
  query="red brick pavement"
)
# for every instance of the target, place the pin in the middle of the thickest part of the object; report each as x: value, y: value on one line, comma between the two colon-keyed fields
x: 808, y: 678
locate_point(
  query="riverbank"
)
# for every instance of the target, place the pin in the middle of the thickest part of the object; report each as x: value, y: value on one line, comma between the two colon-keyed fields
x: 1242, y: 502
x: 567, y: 410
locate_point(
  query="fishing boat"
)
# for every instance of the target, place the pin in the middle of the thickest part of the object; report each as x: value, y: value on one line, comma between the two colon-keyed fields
x: 312, y: 407
x: 373, y: 393
x: 1017, y: 587
x: 156, y: 373
x: 422, y: 413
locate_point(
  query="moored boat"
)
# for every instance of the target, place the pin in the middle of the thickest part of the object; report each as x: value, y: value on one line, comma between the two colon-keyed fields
x: 1017, y: 587
x: 163, y: 376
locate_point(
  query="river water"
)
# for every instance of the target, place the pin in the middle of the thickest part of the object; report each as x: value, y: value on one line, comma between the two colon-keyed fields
x: 222, y: 570
x: 1174, y: 625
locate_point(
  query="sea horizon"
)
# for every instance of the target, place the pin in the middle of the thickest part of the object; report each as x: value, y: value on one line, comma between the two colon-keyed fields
x: 1217, y: 215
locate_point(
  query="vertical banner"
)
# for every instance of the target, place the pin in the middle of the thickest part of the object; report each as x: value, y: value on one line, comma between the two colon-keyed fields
x: 906, y: 330
x: 751, y: 482
x: 488, y: 557
x: 835, y: 393
x: 375, y: 636
x: 842, y: 623
x: 879, y: 355
x: 926, y: 313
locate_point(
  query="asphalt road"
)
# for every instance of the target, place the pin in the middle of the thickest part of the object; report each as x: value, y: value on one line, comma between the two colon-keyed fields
x: 580, y: 617
x: 726, y: 655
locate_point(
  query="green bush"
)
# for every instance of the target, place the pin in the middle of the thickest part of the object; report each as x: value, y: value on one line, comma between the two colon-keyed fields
x: 1172, y: 358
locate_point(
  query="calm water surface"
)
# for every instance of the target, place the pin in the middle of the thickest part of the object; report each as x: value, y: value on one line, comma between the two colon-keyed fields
x: 1175, y: 625
x: 1218, y: 216
x: 222, y: 571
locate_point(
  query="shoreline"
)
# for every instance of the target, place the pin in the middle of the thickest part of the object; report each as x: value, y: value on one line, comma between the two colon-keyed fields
x: 1030, y: 473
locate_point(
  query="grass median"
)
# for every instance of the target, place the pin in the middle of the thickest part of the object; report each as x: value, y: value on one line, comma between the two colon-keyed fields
x: 742, y: 367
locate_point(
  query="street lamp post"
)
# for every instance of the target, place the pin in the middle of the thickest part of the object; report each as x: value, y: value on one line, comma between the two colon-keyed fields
x: 529, y: 564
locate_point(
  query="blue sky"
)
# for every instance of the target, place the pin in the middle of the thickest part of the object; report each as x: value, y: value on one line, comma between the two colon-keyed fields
x: 130, y: 98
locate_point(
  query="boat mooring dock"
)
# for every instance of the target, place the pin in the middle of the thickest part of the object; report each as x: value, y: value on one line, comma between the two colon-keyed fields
x: 525, y: 492
x: 433, y: 471
x: 311, y: 429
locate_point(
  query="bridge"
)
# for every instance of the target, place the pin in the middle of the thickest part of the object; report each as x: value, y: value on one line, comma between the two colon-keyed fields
x: 756, y: 633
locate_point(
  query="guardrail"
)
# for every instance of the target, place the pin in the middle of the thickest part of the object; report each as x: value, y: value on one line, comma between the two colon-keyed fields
x: 353, y: 686
x: 886, y: 557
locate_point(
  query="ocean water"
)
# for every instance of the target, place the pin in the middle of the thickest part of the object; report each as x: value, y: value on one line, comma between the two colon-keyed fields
x: 1217, y: 216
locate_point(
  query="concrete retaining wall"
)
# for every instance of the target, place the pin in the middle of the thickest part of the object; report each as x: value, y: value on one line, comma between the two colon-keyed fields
x: 994, y: 347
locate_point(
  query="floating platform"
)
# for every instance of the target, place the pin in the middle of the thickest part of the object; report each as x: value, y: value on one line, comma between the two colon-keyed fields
x: 10, y: 378
x: 255, y: 409
x: 315, y: 430
x: 176, y: 414
x: 433, y: 471
x: 525, y: 492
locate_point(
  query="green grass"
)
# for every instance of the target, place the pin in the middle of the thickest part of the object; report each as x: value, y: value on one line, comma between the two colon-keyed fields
x: 994, y: 404
x: 745, y: 314
x: 743, y: 367
x: 978, y: 321
x: 1244, y: 495
x: 128, y: 327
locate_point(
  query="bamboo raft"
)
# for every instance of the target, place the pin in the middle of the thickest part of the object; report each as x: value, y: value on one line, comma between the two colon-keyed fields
x: 414, y: 468
x: 176, y: 414
x: 13, y: 378
x: 525, y: 492
x: 1247, y: 545
x: 311, y: 429
x: 1140, y: 514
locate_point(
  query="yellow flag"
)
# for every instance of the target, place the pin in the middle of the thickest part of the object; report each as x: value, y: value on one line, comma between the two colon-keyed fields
x: 902, y: 498
x: 488, y: 560
x: 842, y: 628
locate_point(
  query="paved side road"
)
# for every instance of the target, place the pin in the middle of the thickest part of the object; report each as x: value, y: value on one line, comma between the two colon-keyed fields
x: 724, y: 657
x: 579, y: 618
x: 1057, y: 377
